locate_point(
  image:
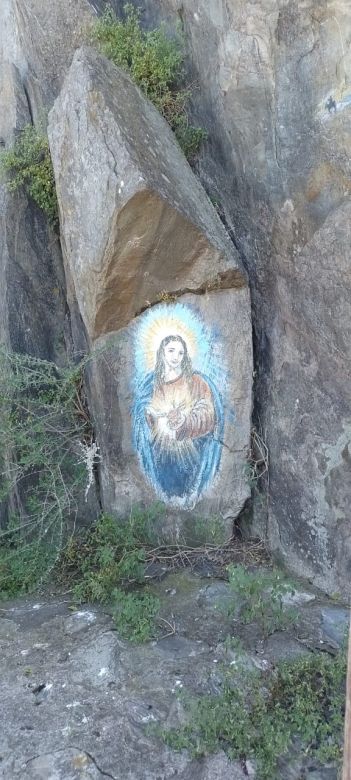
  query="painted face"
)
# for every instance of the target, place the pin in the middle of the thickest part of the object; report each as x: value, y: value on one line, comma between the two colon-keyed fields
x: 174, y: 353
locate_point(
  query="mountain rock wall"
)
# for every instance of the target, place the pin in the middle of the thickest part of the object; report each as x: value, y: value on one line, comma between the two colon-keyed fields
x: 278, y: 161
x: 155, y: 276
x: 272, y: 87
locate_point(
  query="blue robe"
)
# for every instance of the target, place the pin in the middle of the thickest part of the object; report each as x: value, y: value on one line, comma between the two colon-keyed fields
x: 177, y: 478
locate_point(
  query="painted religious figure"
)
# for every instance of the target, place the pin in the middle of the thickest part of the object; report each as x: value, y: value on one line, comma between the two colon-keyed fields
x: 178, y: 411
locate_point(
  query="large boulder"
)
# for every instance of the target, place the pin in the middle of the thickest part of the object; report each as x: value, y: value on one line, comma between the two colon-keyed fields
x: 310, y: 422
x: 135, y: 221
x: 278, y: 164
x: 163, y: 297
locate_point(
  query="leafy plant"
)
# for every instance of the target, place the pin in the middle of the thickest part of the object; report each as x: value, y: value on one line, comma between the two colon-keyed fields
x: 260, y: 718
x: 43, y: 431
x: 262, y: 593
x: 111, y: 553
x: 156, y: 63
x: 28, y: 165
x: 107, y: 559
x: 23, y: 564
x: 134, y: 614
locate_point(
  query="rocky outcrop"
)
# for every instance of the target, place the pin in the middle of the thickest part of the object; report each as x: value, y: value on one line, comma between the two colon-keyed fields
x: 138, y: 229
x: 135, y: 221
x: 278, y: 163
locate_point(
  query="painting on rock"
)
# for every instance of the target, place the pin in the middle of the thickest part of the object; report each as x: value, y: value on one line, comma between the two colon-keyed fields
x: 178, y: 409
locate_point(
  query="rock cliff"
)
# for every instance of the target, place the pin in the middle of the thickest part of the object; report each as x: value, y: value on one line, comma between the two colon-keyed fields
x: 277, y: 166
x: 151, y: 264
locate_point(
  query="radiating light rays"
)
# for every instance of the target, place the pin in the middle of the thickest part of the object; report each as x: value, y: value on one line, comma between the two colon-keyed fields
x: 176, y: 319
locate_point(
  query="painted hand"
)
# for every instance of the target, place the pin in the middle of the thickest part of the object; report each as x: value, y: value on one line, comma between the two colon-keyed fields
x: 175, y: 419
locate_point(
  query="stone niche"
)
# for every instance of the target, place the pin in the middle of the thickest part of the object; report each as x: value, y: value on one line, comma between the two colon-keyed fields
x: 164, y: 303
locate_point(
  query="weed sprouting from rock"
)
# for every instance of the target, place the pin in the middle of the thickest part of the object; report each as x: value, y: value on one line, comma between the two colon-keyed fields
x: 156, y: 64
x: 261, y: 593
x: 28, y: 166
x: 260, y: 716
x: 135, y: 614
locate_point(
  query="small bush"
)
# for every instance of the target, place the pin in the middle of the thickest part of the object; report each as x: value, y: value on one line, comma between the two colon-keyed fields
x: 260, y: 718
x: 111, y: 553
x: 41, y: 469
x: 134, y: 614
x: 110, y: 557
x: 23, y: 563
x: 156, y: 63
x: 262, y: 593
x: 28, y: 165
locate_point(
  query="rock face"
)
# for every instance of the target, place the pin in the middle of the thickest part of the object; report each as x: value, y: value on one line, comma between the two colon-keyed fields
x: 78, y: 701
x: 171, y: 387
x: 278, y: 162
x: 135, y: 221
x: 36, y: 45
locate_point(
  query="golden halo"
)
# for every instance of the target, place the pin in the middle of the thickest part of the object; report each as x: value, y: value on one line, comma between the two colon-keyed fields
x: 162, y: 326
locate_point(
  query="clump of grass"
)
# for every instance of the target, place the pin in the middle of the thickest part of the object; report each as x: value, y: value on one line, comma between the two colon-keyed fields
x: 106, y: 561
x: 262, y: 594
x: 156, y: 64
x: 28, y: 166
x: 261, y: 718
x: 110, y: 554
x: 134, y: 614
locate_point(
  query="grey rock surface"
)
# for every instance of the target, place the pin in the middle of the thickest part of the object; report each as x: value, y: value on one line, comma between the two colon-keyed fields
x: 135, y: 221
x: 77, y: 701
x: 82, y: 699
x: 278, y: 164
x: 39, y: 39
x: 138, y: 228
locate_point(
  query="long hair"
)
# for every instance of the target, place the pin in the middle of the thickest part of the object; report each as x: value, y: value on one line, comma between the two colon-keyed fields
x: 185, y: 365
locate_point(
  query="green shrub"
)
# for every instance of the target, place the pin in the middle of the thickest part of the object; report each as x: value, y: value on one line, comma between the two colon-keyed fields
x: 156, y: 63
x: 108, y: 558
x: 110, y: 554
x: 261, y: 718
x: 41, y: 471
x: 23, y: 563
x: 262, y: 594
x: 28, y: 165
x: 134, y: 614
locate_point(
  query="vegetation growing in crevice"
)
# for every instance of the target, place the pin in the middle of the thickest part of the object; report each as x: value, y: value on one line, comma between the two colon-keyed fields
x: 263, y: 716
x: 135, y: 614
x: 28, y: 166
x: 45, y: 434
x: 261, y: 594
x: 105, y: 561
x: 109, y: 555
x: 156, y: 64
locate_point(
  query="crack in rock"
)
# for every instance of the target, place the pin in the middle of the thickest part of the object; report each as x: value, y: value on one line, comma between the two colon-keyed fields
x: 79, y: 750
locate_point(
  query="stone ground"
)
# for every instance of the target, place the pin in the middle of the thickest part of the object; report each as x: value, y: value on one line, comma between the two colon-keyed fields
x: 76, y: 700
